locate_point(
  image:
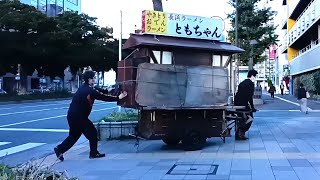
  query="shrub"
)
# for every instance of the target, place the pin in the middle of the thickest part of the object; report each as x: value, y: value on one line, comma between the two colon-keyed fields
x: 32, y: 171
x: 316, y: 77
x: 128, y: 115
x: 308, y: 82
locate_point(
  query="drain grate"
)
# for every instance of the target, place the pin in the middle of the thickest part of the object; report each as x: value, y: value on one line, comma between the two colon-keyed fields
x: 193, y: 169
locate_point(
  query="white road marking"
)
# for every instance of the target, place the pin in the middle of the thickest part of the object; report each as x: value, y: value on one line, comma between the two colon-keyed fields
x: 52, y: 117
x: 285, y: 100
x: 4, y: 143
x: 276, y: 110
x: 56, y: 104
x: 19, y: 148
x: 39, y: 110
x: 34, y: 130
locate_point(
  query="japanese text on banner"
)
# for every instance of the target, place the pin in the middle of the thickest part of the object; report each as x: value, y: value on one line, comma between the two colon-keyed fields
x: 155, y: 22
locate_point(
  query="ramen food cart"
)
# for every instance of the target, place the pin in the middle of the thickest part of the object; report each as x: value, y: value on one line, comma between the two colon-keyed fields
x: 178, y: 77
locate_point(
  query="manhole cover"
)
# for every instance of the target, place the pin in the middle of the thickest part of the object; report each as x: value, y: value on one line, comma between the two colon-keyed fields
x: 193, y: 169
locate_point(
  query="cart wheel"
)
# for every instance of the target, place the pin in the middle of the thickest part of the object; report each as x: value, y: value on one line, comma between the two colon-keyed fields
x: 194, y: 141
x: 171, y: 141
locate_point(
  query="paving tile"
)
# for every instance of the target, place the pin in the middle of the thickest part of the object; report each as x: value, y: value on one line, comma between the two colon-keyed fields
x: 279, y: 162
x: 173, y: 177
x: 286, y: 177
x: 267, y: 174
x: 240, y: 177
x: 152, y: 176
x: 240, y: 172
x: 217, y: 177
x: 196, y: 177
x: 282, y: 168
x: 257, y: 148
x: 241, y: 164
x: 290, y: 150
x: 315, y: 164
x: 286, y: 145
x: 306, y: 173
x: 161, y: 168
x: 147, y: 163
x: 299, y: 162
x: 283, y: 173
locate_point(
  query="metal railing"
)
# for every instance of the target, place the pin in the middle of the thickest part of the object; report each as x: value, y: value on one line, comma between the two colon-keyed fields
x: 304, y: 11
x: 307, y: 48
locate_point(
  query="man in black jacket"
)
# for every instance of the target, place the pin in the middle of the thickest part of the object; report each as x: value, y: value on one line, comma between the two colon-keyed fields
x: 244, y: 97
x: 78, y: 113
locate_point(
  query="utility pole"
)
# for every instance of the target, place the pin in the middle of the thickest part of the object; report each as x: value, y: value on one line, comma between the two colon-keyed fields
x: 120, y: 38
x: 236, y: 73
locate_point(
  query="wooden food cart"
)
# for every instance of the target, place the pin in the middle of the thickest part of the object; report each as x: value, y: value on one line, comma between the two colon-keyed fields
x: 179, y: 85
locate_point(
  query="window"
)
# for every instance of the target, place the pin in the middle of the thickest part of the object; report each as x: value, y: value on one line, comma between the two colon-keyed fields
x: 224, y: 60
x: 166, y: 57
x: 219, y: 60
x: 73, y: 1
x: 216, y: 60
x: 163, y: 57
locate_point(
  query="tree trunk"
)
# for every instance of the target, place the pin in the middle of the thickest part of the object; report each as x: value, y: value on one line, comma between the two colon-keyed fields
x: 157, y: 5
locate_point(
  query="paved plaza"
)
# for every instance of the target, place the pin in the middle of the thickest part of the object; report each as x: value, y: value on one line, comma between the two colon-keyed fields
x: 284, y: 145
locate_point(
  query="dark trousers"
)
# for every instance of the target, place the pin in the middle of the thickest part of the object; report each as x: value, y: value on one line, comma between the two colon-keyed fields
x: 281, y: 91
x: 272, y: 94
x: 242, y: 125
x: 77, y: 127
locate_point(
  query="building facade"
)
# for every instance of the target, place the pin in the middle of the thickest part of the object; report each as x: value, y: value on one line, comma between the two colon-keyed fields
x: 300, y: 42
x: 55, y: 7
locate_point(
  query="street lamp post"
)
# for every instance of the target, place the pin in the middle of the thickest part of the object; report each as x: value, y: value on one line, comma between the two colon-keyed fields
x: 252, y: 43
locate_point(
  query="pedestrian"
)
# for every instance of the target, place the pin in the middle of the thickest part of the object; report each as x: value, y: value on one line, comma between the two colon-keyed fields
x: 302, y: 97
x: 272, y: 90
x: 282, y: 88
x: 79, y: 110
x: 244, y: 97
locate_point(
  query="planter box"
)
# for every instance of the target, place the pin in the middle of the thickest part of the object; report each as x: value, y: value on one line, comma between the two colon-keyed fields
x: 114, y: 130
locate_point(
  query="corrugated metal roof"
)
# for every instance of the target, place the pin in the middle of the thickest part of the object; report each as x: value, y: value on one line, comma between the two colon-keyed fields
x: 145, y: 40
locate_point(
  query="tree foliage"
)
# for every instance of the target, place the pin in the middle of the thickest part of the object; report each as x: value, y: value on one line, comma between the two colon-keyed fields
x: 253, y: 24
x: 49, y: 44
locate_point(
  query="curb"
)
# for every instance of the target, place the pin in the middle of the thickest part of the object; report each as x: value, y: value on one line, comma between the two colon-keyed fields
x: 33, y: 101
x: 50, y: 159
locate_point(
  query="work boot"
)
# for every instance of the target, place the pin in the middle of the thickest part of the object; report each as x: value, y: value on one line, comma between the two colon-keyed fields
x: 96, y: 155
x: 240, y: 136
x: 58, y: 154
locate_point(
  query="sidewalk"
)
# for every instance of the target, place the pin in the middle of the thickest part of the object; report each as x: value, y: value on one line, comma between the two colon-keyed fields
x: 283, y: 145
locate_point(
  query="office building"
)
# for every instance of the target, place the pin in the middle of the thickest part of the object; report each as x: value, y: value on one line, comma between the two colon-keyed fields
x: 55, y: 7
x: 300, y: 42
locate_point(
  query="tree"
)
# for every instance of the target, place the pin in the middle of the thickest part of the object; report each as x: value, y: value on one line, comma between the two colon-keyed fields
x: 253, y: 24
x: 19, y: 24
x: 36, y: 41
x: 89, y: 44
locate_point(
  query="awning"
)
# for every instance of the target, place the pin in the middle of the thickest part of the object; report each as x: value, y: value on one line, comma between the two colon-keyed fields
x: 147, y: 40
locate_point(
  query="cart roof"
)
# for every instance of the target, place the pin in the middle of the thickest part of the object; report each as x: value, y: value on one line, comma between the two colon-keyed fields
x: 147, y: 40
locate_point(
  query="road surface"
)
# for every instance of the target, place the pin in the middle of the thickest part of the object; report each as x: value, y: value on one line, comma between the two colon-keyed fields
x: 31, y: 130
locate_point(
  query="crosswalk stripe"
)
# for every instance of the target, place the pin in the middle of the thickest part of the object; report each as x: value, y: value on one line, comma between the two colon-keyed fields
x: 4, y: 143
x: 19, y: 148
x: 35, y: 130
